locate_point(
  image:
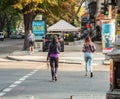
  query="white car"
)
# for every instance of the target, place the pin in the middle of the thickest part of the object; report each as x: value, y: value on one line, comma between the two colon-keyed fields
x: 2, y: 37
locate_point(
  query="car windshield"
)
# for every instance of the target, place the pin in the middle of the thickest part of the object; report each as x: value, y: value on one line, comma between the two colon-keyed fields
x: 50, y: 36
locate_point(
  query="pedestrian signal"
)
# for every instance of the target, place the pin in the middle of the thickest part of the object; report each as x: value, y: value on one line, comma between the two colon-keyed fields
x: 87, y: 26
x: 104, y: 9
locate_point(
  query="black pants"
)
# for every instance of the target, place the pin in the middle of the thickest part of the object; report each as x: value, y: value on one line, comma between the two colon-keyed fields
x: 54, y: 66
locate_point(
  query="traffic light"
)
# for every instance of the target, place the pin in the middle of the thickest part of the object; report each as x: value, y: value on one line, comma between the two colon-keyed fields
x: 84, y: 21
x: 106, y: 12
x: 104, y: 9
x: 92, y: 7
x: 87, y: 25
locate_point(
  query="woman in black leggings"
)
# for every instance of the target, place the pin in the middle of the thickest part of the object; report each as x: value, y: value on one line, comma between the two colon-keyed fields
x: 53, y: 55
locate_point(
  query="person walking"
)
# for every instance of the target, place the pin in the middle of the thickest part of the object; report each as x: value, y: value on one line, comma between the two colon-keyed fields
x: 53, y: 55
x: 88, y: 49
x: 31, y: 41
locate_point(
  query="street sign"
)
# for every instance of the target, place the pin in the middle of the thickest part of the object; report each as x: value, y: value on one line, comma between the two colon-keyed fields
x: 38, y: 29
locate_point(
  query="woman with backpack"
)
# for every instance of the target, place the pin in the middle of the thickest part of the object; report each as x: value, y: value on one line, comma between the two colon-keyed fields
x: 53, y: 55
x: 88, y: 49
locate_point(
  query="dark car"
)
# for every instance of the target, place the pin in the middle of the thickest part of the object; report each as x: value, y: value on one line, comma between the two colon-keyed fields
x: 48, y: 37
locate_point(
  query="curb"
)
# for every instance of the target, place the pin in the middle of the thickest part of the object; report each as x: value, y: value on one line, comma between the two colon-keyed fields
x: 60, y: 61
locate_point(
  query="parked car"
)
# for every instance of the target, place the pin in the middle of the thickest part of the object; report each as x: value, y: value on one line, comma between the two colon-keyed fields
x: 2, y: 37
x: 48, y: 37
x: 13, y: 36
x: 19, y: 36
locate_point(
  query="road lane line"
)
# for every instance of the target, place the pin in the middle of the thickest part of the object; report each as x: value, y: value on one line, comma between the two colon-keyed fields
x: 16, y: 83
x: 12, y: 86
x: 7, y: 89
x: 1, y: 94
x: 29, y: 74
x: 24, y: 77
x: 21, y: 79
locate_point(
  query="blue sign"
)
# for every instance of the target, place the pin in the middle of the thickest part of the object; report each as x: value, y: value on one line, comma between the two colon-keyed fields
x: 38, y: 29
x: 106, y: 28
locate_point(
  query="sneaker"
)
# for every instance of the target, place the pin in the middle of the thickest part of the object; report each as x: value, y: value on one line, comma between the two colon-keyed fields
x: 55, y: 78
x: 91, y: 74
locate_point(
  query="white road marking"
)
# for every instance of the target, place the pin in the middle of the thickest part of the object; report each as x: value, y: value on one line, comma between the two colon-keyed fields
x: 36, y: 70
x: 16, y: 83
x: 1, y: 94
x: 7, y: 89
x: 29, y: 74
x: 21, y: 79
x: 12, y: 86
x: 24, y: 77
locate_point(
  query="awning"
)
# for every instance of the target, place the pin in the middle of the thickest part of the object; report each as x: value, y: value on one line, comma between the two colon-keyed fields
x: 63, y: 26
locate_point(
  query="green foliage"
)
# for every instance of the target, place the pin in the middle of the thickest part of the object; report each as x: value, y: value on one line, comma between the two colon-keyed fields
x: 8, y: 15
x: 52, y: 10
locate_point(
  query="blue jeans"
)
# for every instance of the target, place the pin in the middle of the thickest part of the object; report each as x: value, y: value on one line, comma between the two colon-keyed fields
x: 88, y: 56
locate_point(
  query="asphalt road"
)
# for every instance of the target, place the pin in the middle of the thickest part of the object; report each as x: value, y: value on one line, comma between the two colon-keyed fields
x: 32, y: 80
x: 10, y: 45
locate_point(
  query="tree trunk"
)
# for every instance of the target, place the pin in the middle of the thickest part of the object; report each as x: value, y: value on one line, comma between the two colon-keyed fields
x: 2, y: 22
x: 8, y: 29
x: 28, y: 18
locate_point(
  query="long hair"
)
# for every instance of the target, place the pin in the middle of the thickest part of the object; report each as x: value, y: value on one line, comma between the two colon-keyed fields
x: 54, y: 40
x: 88, y: 40
x: 54, y: 44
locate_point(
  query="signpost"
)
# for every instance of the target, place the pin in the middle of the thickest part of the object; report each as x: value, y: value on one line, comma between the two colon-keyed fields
x: 38, y: 29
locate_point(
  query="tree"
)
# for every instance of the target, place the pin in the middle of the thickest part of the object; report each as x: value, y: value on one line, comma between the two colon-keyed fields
x: 52, y: 10
x: 8, y: 16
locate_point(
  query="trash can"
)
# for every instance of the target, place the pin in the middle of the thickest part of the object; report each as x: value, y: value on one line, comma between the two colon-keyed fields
x: 114, y: 91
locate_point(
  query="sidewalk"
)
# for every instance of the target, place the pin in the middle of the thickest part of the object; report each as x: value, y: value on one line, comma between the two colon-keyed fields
x: 72, y: 54
x: 65, y: 57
